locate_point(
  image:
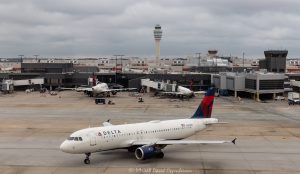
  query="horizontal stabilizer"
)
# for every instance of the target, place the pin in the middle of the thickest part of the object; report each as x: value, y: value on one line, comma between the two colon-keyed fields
x: 233, y: 141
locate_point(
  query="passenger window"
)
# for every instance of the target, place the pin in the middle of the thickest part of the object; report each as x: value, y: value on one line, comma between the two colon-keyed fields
x: 76, y: 138
x: 80, y: 139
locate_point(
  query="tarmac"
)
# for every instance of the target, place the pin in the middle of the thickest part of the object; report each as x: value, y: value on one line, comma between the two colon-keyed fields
x: 32, y: 127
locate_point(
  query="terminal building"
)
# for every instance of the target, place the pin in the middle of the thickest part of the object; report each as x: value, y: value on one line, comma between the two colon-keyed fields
x: 259, y: 84
x: 68, y: 75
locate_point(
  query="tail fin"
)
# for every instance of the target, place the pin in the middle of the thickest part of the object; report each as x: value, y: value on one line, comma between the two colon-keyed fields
x: 205, y: 108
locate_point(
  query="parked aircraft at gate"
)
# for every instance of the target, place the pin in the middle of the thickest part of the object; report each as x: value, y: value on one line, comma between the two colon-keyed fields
x: 145, y: 139
x: 182, y: 92
x: 101, y: 89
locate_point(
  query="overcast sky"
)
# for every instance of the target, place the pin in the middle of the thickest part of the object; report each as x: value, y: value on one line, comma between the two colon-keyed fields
x: 97, y: 28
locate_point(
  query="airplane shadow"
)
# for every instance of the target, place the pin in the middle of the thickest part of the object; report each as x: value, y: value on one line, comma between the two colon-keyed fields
x: 124, y: 155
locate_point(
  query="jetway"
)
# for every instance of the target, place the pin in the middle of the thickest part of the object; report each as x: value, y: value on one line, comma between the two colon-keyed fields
x: 28, y: 82
x: 161, y: 86
x: 8, y: 85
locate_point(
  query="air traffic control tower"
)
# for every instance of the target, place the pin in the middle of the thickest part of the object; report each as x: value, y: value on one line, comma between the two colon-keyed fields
x: 275, y: 61
x: 157, y: 36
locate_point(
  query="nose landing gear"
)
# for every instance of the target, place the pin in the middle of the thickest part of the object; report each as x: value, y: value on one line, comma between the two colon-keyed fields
x: 87, y: 158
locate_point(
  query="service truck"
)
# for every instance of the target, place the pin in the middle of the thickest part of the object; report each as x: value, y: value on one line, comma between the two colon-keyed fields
x: 293, y: 98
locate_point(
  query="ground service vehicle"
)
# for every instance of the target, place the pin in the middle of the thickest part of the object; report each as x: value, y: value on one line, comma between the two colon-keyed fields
x: 293, y: 98
x: 100, y: 100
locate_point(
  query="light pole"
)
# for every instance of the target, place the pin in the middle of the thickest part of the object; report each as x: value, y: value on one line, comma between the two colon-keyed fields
x: 121, y: 62
x: 36, y: 56
x: 199, y: 59
x: 243, y: 59
x: 21, y: 56
x: 117, y: 66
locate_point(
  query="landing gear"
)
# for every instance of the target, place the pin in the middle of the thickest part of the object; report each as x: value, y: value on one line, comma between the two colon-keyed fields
x: 160, y: 155
x: 87, y: 161
x: 87, y: 158
x: 132, y: 149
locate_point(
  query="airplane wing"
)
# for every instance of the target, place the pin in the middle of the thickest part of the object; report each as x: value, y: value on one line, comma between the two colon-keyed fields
x: 123, y: 89
x: 175, y: 93
x: 81, y: 89
x: 180, y: 142
x: 199, y: 92
x: 185, y: 142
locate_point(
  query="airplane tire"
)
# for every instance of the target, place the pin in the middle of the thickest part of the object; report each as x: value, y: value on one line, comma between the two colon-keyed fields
x: 131, y: 149
x: 160, y: 155
x: 87, y: 161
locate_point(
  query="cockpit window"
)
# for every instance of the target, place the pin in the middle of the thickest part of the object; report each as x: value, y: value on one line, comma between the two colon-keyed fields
x: 71, y: 138
x: 74, y: 138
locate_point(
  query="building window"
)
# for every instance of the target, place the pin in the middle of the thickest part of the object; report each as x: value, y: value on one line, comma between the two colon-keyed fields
x: 271, y: 84
x: 250, y: 84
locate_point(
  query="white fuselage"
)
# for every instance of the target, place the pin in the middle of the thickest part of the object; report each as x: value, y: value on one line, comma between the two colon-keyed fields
x: 185, y: 91
x: 123, y: 136
x: 100, y: 88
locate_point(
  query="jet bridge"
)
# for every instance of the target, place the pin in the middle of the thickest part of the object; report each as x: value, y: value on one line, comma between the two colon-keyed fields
x: 9, y: 85
x: 161, y: 86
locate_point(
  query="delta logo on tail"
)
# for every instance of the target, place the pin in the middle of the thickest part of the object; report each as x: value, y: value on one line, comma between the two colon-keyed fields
x: 205, y: 108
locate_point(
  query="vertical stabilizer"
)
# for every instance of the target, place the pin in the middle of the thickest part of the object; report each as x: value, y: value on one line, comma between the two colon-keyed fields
x: 205, y: 108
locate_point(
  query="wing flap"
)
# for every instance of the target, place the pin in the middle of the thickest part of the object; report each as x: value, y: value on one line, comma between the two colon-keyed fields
x: 143, y: 142
x: 185, y: 142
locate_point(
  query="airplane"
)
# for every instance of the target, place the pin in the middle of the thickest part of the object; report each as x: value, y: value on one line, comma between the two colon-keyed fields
x: 101, y: 89
x: 182, y: 92
x: 145, y: 139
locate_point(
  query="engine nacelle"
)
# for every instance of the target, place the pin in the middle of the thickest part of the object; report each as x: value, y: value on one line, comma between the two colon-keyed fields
x: 146, y: 152
x: 113, y: 92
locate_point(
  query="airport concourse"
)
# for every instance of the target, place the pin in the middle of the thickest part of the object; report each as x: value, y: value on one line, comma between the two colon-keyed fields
x: 34, y: 126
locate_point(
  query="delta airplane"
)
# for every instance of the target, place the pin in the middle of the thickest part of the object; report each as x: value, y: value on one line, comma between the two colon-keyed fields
x: 101, y: 89
x: 146, y: 139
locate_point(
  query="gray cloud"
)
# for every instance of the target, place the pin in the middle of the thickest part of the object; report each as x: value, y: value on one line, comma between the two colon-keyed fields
x: 107, y: 27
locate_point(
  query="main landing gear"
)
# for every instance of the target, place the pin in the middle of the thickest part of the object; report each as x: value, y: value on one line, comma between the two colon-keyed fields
x: 87, y: 158
x: 160, y: 155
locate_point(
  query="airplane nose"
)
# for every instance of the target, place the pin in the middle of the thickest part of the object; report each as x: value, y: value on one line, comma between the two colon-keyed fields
x: 64, y: 147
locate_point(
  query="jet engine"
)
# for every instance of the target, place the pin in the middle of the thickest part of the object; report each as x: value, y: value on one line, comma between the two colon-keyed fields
x: 113, y: 92
x: 148, y: 152
x: 145, y: 152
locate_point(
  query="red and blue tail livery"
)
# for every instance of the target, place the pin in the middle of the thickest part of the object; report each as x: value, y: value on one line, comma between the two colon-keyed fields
x: 205, y: 108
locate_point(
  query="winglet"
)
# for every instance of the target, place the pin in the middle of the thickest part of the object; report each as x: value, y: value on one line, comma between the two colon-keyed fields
x: 233, y: 141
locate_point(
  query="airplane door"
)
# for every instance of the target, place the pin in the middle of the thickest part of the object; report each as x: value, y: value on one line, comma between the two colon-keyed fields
x: 139, y: 135
x: 93, y: 140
